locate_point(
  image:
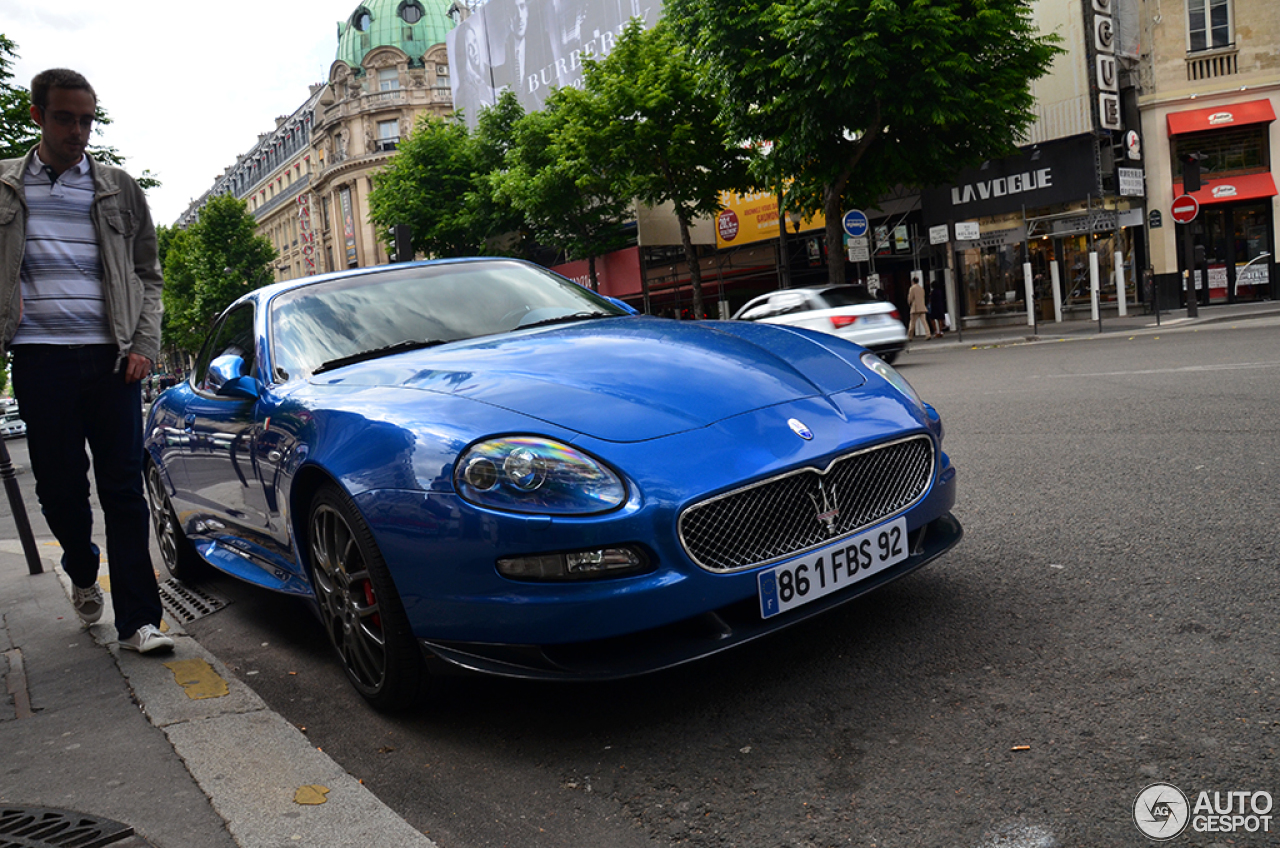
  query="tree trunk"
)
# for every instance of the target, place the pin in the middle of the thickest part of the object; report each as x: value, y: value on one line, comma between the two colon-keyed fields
x: 695, y: 269
x: 833, y: 203
x: 835, y: 231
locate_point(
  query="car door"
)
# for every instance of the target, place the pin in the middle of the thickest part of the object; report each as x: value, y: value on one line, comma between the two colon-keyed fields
x: 222, y: 487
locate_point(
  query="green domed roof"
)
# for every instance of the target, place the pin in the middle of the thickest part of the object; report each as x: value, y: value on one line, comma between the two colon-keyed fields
x: 414, y: 26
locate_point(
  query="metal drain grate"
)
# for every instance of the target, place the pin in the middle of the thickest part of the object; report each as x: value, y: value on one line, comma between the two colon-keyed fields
x: 187, y: 603
x: 40, y: 827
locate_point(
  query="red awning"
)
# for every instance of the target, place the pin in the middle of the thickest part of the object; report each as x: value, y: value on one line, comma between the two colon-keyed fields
x: 1221, y: 117
x: 1232, y: 189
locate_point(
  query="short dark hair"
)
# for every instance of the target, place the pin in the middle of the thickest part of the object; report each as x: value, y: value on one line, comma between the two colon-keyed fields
x: 57, y: 78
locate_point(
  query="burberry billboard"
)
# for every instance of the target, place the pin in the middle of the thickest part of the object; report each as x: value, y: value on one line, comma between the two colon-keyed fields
x: 533, y: 47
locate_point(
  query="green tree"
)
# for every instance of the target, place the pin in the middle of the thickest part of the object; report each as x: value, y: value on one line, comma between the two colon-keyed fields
x: 558, y: 177
x: 489, y: 213
x: 180, y: 328
x: 209, y: 265
x: 425, y: 186
x: 664, y: 142
x: 18, y: 133
x: 862, y: 95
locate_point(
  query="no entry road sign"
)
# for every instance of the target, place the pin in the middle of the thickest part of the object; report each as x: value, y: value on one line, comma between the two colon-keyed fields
x: 1185, y: 209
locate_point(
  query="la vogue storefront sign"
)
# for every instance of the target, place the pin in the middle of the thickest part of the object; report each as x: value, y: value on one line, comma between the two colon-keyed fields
x: 1002, y: 186
x: 1056, y: 172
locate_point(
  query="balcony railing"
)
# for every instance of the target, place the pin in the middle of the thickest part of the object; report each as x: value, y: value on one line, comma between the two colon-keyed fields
x: 1211, y: 64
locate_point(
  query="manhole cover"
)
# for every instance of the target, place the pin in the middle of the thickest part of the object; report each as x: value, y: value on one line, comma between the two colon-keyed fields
x: 187, y: 603
x: 40, y: 827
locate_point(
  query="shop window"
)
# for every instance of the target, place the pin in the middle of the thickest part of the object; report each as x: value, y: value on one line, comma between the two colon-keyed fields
x: 1225, y: 152
x: 1209, y: 24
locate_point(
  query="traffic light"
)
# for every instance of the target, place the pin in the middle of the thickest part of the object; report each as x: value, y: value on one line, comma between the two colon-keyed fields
x: 401, y: 239
x: 1190, y: 171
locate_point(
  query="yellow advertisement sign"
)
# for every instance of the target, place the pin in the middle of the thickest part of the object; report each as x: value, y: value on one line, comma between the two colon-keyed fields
x: 746, y: 218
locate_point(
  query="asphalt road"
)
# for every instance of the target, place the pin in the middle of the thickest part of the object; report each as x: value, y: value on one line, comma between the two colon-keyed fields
x: 1109, y: 622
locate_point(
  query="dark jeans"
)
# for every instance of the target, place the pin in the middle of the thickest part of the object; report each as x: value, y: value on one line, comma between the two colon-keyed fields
x: 70, y: 397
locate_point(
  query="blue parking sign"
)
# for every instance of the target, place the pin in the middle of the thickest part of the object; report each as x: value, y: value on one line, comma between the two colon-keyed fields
x: 855, y: 223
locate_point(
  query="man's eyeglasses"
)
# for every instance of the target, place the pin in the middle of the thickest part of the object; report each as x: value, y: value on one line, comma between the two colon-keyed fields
x: 68, y: 120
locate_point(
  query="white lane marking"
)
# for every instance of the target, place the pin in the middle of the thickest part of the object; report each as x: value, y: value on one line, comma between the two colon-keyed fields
x: 1188, y: 369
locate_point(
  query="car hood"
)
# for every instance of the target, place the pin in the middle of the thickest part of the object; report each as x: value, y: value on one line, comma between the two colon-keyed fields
x: 623, y: 379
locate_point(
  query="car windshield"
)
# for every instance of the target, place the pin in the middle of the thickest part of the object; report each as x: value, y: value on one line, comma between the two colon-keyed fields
x: 366, y: 315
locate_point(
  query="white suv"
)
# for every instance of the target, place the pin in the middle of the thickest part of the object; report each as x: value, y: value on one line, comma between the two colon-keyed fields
x: 845, y: 311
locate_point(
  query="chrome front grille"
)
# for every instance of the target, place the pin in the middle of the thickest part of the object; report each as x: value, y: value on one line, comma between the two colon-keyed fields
x: 805, y: 509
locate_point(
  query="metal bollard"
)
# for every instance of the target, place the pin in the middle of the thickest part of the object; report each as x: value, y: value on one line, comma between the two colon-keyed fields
x: 10, y: 478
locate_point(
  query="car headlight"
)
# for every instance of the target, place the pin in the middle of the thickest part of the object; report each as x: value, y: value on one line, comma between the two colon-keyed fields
x: 887, y: 371
x: 536, y: 475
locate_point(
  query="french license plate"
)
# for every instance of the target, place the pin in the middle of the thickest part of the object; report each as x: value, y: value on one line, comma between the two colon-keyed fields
x: 832, y: 568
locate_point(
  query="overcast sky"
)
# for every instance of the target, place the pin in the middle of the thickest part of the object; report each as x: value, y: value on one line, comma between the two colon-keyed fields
x: 187, y: 86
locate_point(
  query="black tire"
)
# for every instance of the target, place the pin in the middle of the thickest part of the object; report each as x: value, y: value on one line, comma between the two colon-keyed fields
x: 889, y: 357
x: 359, y: 605
x: 180, y: 558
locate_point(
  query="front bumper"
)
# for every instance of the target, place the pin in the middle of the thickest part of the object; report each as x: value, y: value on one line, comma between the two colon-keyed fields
x: 680, y: 642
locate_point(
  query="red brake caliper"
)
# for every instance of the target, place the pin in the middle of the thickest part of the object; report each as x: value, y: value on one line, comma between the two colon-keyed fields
x: 371, y: 600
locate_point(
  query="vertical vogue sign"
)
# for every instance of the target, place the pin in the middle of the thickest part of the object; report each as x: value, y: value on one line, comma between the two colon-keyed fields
x: 1106, y: 69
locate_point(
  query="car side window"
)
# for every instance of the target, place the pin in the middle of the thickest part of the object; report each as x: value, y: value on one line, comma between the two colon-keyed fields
x: 787, y: 303
x: 755, y: 313
x: 232, y: 335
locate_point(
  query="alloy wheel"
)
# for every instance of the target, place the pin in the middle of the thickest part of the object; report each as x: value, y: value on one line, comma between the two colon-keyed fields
x: 347, y: 598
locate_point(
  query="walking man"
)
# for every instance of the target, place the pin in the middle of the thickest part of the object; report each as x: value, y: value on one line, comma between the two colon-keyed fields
x: 916, y: 306
x: 80, y: 316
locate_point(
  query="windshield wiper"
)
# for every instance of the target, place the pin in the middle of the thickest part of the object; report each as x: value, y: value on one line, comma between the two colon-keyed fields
x: 564, y: 319
x: 364, y: 356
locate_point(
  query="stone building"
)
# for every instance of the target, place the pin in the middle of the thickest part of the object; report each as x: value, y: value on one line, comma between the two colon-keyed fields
x: 1210, y: 88
x: 307, y: 182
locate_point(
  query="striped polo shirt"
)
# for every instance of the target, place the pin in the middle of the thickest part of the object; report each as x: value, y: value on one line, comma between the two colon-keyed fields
x: 62, y: 292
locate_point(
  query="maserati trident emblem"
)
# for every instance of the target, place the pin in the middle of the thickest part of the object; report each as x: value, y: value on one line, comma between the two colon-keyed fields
x: 828, y: 509
x: 799, y: 429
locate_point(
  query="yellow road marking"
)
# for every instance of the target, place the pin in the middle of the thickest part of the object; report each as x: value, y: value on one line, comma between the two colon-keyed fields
x: 198, y: 679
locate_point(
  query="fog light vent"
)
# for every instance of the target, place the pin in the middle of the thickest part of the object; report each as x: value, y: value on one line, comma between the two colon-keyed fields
x: 575, y: 565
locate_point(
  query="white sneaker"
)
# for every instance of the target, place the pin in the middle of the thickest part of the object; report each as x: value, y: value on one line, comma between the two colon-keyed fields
x: 88, y: 602
x: 147, y: 639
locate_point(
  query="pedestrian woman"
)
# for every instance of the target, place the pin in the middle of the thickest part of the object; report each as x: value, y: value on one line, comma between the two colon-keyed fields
x: 938, y: 310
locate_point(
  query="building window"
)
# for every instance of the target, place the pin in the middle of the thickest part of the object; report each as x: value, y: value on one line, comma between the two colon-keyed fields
x: 388, y: 79
x: 388, y: 134
x: 410, y: 12
x: 362, y: 20
x: 1209, y: 24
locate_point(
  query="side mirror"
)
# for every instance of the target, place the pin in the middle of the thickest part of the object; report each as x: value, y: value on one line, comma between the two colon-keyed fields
x: 228, y: 377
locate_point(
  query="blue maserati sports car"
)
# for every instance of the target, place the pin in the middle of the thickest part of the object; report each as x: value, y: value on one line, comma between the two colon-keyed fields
x: 477, y: 463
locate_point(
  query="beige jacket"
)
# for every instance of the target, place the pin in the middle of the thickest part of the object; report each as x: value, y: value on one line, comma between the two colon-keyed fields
x: 915, y: 299
x: 127, y: 244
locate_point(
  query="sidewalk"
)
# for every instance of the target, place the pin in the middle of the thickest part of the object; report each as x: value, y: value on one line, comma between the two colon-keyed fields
x: 1135, y: 321
x: 171, y: 746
